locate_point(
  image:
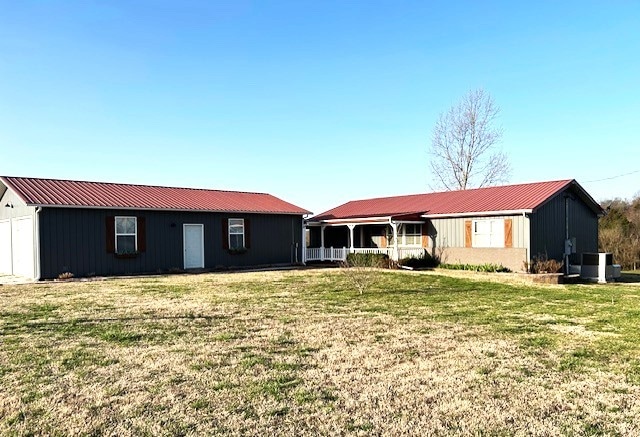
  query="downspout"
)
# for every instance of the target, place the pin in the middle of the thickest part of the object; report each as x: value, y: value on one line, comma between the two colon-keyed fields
x: 37, y: 240
x: 527, y: 242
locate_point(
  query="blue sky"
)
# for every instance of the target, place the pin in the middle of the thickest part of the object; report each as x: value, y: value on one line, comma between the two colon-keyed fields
x: 317, y: 102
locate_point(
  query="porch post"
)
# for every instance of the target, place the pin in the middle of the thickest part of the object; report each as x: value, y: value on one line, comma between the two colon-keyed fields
x: 321, y: 242
x: 351, y: 247
x: 394, y: 227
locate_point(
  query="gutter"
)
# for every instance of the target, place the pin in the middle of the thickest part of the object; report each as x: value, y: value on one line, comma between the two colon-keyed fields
x: 480, y: 213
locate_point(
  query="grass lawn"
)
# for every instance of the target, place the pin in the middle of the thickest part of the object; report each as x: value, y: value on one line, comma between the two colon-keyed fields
x: 303, y: 353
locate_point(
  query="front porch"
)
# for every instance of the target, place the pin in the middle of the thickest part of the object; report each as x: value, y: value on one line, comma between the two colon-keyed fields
x: 397, y: 238
x: 340, y: 253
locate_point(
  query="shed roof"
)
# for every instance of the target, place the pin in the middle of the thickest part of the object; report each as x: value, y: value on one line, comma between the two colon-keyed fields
x: 82, y: 194
x: 511, y: 198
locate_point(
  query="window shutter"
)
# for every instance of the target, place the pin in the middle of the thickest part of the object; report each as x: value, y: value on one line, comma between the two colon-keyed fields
x: 110, y: 234
x: 467, y: 233
x: 425, y: 236
x: 247, y: 233
x: 383, y: 238
x: 142, y: 234
x: 225, y: 233
x: 508, y: 232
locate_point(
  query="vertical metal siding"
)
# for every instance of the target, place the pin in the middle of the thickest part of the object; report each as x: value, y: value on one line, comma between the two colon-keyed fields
x: 73, y: 240
x: 20, y: 209
x: 548, y: 228
x: 450, y: 231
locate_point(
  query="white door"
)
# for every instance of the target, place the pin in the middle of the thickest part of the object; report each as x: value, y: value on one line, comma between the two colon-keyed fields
x: 193, y: 246
x: 22, y: 239
x: 5, y: 247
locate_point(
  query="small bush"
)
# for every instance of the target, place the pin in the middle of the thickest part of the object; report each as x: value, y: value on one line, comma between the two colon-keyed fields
x: 487, y: 268
x: 65, y: 276
x: 542, y: 264
x: 425, y: 261
x: 379, y: 260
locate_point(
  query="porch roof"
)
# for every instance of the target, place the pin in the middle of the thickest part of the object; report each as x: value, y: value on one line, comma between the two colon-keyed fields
x: 511, y: 199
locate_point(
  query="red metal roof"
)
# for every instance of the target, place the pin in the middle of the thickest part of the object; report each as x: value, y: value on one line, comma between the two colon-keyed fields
x: 504, y: 198
x: 54, y: 192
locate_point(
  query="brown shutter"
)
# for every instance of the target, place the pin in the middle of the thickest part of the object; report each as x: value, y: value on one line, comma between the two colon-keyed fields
x: 225, y: 233
x: 467, y: 233
x: 425, y: 236
x: 247, y: 233
x: 508, y: 232
x: 110, y: 234
x: 383, y: 238
x: 142, y: 234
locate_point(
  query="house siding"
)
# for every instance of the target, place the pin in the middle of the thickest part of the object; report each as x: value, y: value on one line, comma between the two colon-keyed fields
x: 73, y: 240
x: 450, y: 243
x: 450, y: 231
x: 20, y: 209
x: 548, y: 228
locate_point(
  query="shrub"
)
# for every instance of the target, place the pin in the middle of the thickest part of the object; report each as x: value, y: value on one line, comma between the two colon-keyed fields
x: 379, y: 260
x: 487, y: 268
x: 542, y: 264
x: 425, y: 261
x: 65, y: 276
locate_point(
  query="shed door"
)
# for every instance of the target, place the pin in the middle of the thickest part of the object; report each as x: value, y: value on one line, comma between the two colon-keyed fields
x: 5, y: 247
x: 22, y: 238
x: 193, y: 246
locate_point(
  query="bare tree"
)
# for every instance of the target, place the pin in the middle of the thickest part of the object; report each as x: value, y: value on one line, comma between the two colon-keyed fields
x: 464, y: 145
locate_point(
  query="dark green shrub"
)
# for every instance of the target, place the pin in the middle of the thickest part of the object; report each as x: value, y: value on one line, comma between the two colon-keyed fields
x: 380, y: 260
x: 425, y: 261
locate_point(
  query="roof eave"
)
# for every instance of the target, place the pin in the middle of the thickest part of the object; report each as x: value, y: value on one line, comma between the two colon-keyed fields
x: 480, y: 213
x: 129, y: 208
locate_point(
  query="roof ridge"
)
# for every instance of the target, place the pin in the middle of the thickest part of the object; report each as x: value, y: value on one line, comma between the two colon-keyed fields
x: 133, y: 185
x: 456, y: 191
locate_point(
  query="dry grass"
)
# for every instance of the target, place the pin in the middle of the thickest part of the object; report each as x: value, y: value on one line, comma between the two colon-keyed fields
x: 301, y: 353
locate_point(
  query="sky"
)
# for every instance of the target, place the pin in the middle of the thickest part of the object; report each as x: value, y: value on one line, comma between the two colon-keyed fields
x: 316, y: 102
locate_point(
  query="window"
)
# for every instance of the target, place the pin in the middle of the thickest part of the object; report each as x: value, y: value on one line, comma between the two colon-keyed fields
x: 126, y: 235
x: 488, y: 233
x: 236, y: 234
x: 412, y: 235
x: 409, y: 234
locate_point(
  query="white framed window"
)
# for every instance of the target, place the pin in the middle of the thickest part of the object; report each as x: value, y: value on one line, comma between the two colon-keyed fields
x: 236, y: 233
x: 412, y: 234
x: 126, y: 235
x: 488, y: 233
x: 409, y: 234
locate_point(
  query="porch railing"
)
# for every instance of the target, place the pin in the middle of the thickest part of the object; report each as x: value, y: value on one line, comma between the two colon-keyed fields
x: 340, y: 253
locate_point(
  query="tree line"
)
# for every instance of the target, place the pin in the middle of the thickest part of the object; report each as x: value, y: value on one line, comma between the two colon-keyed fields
x: 619, y: 231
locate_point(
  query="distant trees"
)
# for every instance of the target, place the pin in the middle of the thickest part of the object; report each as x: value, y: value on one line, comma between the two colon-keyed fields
x: 619, y: 231
x: 464, y: 145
